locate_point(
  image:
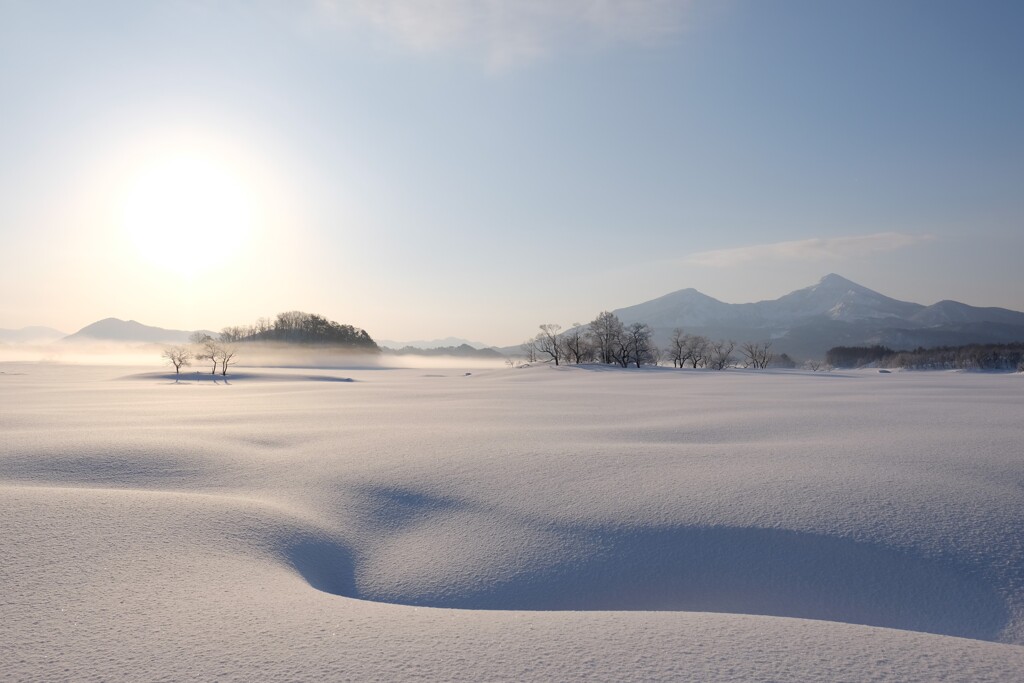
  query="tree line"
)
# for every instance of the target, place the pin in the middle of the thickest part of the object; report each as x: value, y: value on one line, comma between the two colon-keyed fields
x: 607, y: 341
x: 967, y: 357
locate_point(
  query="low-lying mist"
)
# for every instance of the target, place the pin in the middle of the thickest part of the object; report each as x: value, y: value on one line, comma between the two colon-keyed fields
x: 249, y: 355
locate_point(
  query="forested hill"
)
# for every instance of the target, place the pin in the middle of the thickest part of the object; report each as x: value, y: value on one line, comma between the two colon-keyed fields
x: 297, y: 327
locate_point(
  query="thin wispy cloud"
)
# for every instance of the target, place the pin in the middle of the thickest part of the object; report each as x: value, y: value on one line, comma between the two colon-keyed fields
x: 509, y: 33
x: 815, y: 249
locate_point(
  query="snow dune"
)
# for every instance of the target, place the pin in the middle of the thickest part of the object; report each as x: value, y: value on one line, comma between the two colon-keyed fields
x: 735, y: 570
x: 558, y: 524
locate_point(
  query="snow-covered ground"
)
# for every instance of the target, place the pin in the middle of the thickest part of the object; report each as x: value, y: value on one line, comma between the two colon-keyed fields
x: 510, y: 524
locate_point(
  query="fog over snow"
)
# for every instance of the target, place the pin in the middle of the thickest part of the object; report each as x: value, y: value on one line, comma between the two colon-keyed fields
x: 535, y: 523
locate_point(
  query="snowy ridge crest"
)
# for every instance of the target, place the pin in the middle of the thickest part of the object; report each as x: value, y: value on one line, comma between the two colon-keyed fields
x: 833, y: 312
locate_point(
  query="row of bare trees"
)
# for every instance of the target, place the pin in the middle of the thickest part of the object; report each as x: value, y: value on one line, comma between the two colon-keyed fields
x: 608, y: 341
x: 698, y: 351
x: 605, y: 340
x: 203, y: 348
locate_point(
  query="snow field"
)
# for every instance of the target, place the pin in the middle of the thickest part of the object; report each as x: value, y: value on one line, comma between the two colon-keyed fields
x: 586, y: 523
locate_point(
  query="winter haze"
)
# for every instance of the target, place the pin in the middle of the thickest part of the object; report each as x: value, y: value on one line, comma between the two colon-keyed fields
x: 511, y: 340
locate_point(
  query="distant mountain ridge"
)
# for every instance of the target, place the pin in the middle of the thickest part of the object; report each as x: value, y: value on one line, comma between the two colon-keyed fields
x: 447, y: 342
x: 30, y: 335
x: 834, y: 312
x: 460, y: 351
x: 115, y: 329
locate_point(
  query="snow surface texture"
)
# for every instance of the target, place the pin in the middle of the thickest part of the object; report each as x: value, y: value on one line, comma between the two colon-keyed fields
x: 512, y: 524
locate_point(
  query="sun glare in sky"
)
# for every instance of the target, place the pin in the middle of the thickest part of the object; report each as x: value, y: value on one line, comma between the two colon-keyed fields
x: 434, y: 169
x: 187, y: 213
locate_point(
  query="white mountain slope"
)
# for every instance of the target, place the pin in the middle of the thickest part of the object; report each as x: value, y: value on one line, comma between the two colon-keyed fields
x: 833, y: 312
x: 836, y: 298
x: 953, y: 312
x: 685, y: 307
x: 833, y: 297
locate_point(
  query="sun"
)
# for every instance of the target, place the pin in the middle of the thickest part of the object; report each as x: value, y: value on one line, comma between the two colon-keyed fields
x: 187, y: 213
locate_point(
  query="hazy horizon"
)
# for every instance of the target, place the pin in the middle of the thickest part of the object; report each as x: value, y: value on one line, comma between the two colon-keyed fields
x: 425, y: 170
x: 450, y: 340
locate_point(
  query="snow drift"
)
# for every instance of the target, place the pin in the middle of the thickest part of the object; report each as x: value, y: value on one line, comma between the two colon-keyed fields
x: 558, y: 524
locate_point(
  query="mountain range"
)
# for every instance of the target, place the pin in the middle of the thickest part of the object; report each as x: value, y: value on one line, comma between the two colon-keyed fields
x: 117, y: 330
x: 432, y: 343
x: 804, y: 324
x: 833, y: 312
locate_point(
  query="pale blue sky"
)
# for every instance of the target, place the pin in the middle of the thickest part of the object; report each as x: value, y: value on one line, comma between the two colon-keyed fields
x: 446, y: 167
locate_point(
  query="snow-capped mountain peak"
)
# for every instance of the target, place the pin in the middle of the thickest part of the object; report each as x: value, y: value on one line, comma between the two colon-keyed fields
x: 834, y: 311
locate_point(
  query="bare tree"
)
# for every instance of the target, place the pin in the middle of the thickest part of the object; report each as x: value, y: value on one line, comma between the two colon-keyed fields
x: 529, y: 348
x: 289, y: 320
x: 233, y: 334
x: 548, y: 341
x: 605, y: 333
x: 225, y: 354
x: 638, y: 340
x: 695, y: 350
x: 720, y: 354
x: 656, y: 355
x: 749, y: 352
x: 622, y: 348
x: 766, y: 357
x: 757, y: 355
x: 676, y: 345
x: 815, y: 365
x: 178, y: 356
x: 577, y: 350
x: 209, y: 349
